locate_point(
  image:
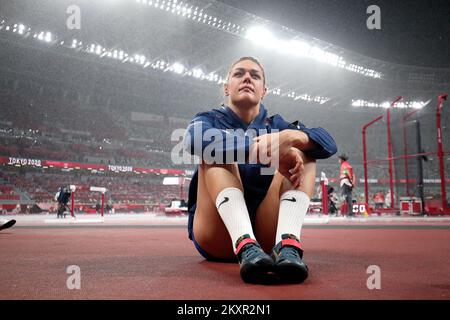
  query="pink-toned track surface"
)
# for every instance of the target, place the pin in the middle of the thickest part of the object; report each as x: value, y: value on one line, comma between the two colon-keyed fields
x: 159, y: 262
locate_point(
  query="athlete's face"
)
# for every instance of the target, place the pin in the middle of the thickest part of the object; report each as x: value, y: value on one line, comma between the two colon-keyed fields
x: 245, y: 86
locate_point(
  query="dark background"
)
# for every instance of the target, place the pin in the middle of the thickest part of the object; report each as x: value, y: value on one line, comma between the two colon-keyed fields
x: 413, y: 32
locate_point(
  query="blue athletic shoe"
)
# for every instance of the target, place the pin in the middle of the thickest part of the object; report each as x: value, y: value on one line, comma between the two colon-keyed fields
x: 255, y: 264
x: 288, y: 264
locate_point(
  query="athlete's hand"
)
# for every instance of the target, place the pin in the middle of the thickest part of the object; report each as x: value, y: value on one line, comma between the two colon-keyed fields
x: 276, y: 149
x: 291, y: 166
x: 273, y: 146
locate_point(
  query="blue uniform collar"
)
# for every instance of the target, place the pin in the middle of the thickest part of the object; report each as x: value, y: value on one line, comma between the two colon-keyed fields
x: 231, y: 115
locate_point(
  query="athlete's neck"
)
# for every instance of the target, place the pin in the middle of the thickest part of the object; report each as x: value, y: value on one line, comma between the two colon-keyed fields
x: 246, y: 114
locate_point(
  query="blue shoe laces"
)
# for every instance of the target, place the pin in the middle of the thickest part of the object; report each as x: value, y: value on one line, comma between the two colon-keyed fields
x: 289, y: 253
x: 250, y: 250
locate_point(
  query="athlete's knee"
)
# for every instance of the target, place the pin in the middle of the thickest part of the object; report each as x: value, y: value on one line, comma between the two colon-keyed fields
x: 231, y: 167
x: 202, y: 236
x: 216, y: 241
x: 219, y: 176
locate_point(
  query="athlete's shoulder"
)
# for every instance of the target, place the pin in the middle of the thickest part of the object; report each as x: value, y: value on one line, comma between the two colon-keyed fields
x: 210, y: 114
x: 278, y: 122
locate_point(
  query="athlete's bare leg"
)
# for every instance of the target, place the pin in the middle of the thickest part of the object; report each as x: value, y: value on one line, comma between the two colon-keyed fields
x: 209, y: 230
x: 267, y: 214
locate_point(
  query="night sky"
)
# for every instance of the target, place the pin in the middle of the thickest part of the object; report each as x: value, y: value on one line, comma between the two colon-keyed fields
x: 413, y: 32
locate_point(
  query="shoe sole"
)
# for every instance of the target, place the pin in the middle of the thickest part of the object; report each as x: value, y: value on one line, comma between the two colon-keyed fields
x: 257, y: 273
x: 8, y: 224
x: 288, y: 272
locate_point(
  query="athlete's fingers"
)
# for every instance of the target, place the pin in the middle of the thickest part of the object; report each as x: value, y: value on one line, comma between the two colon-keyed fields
x: 285, y: 174
x: 297, y: 176
x: 262, y: 137
x: 253, y: 153
x: 265, y: 148
x: 298, y: 165
x: 295, y: 181
x: 294, y: 178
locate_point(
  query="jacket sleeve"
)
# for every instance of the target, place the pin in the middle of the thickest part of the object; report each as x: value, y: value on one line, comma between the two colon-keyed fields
x: 215, y: 145
x: 326, y: 146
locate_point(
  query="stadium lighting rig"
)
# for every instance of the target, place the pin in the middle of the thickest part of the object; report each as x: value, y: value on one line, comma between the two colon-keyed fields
x: 143, y: 61
x: 264, y: 38
x: 260, y: 36
x: 24, y: 31
x: 386, y: 104
x: 306, y: 97
x: 193, y: 13
x: 17, y: 28
x: 44, y: 36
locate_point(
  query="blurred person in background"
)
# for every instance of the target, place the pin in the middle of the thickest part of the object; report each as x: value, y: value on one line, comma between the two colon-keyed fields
x: 347, y: 183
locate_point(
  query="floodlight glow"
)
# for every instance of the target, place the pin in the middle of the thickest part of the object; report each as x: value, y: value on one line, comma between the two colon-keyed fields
x: 261, y: 36
x: 332, y: 58
x: 356, y: 103
x: 48, y: 37
x: 298, y: 48
x: 177, y: 68
x: 324, y: 56
x: 417, y: 104
x: 197, y: 73
x: 387, y: 104
x: 276, y: 92
x: 21, y: 28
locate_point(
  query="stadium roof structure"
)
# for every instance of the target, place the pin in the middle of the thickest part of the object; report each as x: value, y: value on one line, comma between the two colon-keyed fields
x: 200, y: 38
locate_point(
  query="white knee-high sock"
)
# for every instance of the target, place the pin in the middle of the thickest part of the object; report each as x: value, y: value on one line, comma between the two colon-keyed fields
x: 231, y: 205
x: 293, y: 207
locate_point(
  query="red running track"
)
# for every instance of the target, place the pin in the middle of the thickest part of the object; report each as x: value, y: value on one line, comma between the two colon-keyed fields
x: 153, y: 262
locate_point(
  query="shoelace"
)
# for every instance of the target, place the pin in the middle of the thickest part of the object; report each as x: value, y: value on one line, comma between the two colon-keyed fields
x: 290, y: 252
x: 250, y: 250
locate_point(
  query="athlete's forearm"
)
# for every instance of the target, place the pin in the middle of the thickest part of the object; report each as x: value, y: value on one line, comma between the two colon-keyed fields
x: 215, y: 145
x: 300, y: 140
